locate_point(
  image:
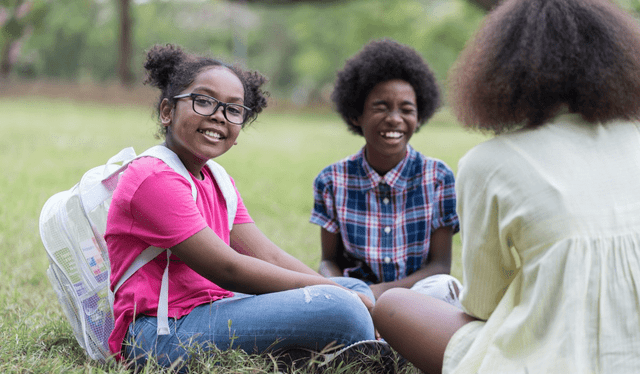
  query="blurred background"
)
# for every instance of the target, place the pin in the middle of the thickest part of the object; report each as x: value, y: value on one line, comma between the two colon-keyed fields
x: 94, y: 48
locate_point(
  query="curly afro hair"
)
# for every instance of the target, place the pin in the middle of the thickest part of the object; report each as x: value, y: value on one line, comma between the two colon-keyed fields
x: 171, y: 69
x: 381, y: 61
x: 530, y: 59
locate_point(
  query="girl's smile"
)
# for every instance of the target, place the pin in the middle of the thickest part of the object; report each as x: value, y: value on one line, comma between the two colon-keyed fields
x: 213, y: 135
x: 194, y: 137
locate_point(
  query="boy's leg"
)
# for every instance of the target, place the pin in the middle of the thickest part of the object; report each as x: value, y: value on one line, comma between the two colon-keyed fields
x: 310, y: 318
x: 419, y: 327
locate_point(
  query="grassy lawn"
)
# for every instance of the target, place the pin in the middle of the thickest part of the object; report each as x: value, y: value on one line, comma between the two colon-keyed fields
x: 48, y: 144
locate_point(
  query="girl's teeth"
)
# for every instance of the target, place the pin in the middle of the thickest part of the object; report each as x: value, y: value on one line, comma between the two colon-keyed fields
x: 212, y: 134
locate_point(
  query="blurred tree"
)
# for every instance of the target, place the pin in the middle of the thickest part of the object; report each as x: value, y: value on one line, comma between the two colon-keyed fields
x: 18, y: 19
x: 125, y: 46
x: 484, y: 4
x: 299, y: 44
x: 301, y: 47
x: 67, y: 41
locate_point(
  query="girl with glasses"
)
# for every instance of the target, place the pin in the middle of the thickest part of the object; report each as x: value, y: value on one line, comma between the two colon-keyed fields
x: 228, y: 285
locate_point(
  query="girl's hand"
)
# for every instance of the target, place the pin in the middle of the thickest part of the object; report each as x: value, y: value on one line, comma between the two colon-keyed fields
x: 366, y: 301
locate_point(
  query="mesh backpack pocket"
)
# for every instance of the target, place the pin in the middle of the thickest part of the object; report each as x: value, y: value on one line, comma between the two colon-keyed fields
x: 78, y: 271
x: 79, y: 265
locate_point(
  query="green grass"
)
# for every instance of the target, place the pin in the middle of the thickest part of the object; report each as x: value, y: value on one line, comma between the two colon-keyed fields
x: 48, y: 144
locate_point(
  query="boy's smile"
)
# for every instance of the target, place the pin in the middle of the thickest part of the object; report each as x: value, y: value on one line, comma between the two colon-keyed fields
x: 388, y: 120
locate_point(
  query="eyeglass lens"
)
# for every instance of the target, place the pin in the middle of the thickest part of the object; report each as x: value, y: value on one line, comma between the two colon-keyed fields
x: 207, y: 106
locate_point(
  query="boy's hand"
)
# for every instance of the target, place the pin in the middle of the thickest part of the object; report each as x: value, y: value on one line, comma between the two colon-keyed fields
x: 378, y: 289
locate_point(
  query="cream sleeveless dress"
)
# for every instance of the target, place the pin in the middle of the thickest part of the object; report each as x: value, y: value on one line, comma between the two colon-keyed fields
x: 550, y: 228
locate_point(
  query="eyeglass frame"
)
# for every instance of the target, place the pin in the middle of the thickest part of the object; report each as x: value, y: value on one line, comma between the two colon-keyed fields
x: 219, y: 104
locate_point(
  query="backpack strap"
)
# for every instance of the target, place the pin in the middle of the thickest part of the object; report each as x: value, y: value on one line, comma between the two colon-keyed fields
x: 163, y: 301
x: 98, y: 193
x: 143, y: 258
x: 219, y: 174
x: 173, y: 161
x: 228, y: 191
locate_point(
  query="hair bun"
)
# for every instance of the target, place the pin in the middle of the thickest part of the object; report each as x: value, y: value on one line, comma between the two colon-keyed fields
x: 161, y: 63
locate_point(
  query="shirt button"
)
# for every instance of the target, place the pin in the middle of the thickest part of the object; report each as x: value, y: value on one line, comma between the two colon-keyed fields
x: 387, y: 260
x: 385, y: 200
x: 387, y: 229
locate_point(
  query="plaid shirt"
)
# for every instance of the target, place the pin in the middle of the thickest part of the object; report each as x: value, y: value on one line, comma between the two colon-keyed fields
x: 386, y: 221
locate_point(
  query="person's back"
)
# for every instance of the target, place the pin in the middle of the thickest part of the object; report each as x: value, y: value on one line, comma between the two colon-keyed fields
x: 569, y: 222
x: 549, y: 209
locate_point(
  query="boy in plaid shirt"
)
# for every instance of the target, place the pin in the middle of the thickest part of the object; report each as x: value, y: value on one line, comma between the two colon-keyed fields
x: 387, y: 213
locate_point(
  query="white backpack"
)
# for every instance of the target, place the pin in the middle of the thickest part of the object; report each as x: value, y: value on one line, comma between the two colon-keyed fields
x: 72, y: 227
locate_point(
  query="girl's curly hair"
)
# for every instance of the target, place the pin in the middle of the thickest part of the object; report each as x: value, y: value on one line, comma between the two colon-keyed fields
x: 171, y: 69
x: 531, y: 58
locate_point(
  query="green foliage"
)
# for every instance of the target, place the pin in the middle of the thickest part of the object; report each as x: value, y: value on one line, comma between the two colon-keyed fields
x: 311, y: 41
x: 299, y: 47
x: 56, y: 50
x: 47, y: 146
x: 18, y: 19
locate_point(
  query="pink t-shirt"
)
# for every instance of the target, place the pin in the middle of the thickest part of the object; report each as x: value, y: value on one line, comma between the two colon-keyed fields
x: 153, y: 206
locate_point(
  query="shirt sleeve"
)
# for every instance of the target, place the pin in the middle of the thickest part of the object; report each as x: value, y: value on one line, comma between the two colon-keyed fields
x: 445, y: 198
x: 324, y: 208
x: 163, y: 210
x: 488, y: 263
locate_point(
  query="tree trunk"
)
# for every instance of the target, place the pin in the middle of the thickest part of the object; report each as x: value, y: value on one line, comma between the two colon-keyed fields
x: 5, y: 60
x: 126, y: 46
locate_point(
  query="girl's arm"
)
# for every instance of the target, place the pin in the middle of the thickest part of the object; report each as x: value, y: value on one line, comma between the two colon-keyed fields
x: 248, y: 237
x: 439, y: 262
x: 332, y: 248
x: 210, y: 257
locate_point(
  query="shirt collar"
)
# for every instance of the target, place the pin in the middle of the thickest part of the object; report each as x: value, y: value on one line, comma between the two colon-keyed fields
x: 395, y: 177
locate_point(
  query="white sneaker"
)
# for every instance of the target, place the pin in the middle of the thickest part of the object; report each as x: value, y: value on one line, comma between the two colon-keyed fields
x: 441, y: 286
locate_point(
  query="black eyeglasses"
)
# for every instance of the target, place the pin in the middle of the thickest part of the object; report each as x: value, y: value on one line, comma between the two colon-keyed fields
x: 206, y: 105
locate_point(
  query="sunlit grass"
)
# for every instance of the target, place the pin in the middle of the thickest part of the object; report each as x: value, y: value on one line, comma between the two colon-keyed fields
x: 48, y: 144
